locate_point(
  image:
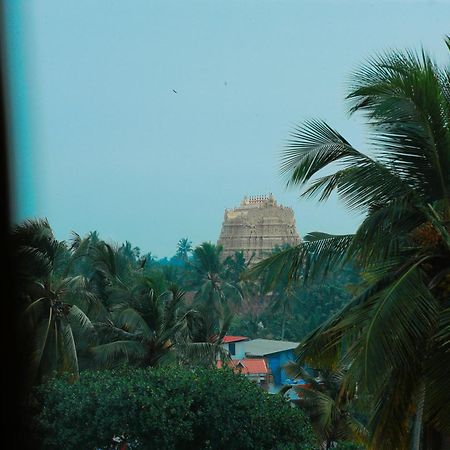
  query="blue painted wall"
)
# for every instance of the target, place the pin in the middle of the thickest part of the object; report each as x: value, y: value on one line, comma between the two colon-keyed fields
x: 276, y: 362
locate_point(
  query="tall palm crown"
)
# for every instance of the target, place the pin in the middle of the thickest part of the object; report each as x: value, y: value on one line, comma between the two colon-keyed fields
x: 184, y: 248
x: 142, y: 326
x: 55, y: 301
x: 395, y: 336
x: 215, y: 289
x: 212, y: 276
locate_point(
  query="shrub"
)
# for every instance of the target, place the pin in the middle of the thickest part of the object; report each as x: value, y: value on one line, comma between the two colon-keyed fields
x: 169, y: 408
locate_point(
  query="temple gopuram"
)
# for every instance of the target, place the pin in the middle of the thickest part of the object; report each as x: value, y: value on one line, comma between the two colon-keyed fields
x: 257, y: 226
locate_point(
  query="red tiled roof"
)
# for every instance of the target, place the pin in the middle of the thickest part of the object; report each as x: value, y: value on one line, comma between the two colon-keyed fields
x: 228, y: 339
x: 248, y: 366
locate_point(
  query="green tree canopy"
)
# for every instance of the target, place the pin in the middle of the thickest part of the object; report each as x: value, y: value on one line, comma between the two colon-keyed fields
x: 169, y: 408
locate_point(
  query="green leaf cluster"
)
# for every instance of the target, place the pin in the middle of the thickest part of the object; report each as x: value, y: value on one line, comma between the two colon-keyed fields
x: 167, y: 408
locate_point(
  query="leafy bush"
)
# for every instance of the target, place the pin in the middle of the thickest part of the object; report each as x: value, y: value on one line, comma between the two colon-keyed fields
x: 169, y: 408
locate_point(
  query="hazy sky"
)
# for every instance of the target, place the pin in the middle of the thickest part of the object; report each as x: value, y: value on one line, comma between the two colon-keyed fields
x: 104, y: 143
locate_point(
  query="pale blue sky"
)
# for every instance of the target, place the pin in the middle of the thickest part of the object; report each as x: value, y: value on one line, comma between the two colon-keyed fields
x: 103, y: 143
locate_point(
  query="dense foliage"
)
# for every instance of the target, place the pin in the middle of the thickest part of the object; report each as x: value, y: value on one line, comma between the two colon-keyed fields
x: 169, y: 408
x: 93, y: 304
x: 292, y: 315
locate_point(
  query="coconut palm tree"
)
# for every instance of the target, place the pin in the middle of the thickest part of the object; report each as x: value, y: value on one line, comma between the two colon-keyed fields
x: 54, y: 300
x: 235, y: 266
x: 142, y: 326
x: 213, y: 288
x: 198, y: 344
x: 395, y: 336
x: 184, y: 248
x: 283, y: 294
x: 284, y: 298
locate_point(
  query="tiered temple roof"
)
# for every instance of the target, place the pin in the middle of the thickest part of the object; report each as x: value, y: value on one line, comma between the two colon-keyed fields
x: 256, y: 227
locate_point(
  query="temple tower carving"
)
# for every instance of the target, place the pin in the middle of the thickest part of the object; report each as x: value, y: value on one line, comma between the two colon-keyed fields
x: 257, y: 226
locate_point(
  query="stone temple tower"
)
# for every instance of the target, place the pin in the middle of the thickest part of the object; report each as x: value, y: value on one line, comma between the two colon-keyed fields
x: 257, y: 226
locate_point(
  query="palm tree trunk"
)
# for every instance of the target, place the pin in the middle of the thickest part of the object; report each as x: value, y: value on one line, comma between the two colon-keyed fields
x: 417, y: 430
x: 283, y: 323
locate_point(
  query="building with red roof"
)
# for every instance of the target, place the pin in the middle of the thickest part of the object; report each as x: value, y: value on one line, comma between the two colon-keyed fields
x: 273, y: 354
x: 255, y: 369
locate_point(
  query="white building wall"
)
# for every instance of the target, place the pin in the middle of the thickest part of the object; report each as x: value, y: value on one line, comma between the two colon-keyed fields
x: 239, y: 349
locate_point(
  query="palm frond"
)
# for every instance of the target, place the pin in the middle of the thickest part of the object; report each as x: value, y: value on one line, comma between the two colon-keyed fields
x: 207, y: 258
x: 78, y: 317
x: 312, y: 258
x: 391, y: 405
x: 382, y: 234
x: 117, y: 352
x: 67, y: 350
x: 77, y: 290
x: 36, y: 233
x: 132, y: 321
x: 171, y: 305
x: 201, y: 353
x: 437, y: 369
x: 360, y: 185
x: 40, y: 343
x: 401, y: 95
x: 36, y: 309
x: 405, y: 306
x: 311, y: 148
x: 323, y: 346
